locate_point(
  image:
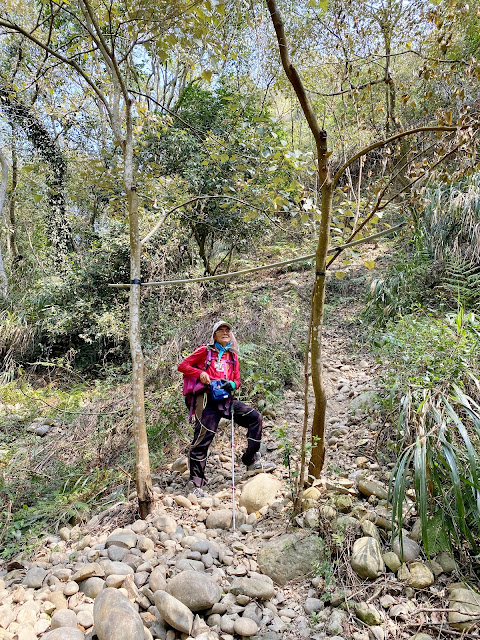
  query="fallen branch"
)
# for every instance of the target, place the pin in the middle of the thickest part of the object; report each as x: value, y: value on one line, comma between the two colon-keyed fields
x: 233, y: 274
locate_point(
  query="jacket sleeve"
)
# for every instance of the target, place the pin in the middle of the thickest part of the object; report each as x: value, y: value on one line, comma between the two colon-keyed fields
x: 193, y: 365
x: 236, y: 371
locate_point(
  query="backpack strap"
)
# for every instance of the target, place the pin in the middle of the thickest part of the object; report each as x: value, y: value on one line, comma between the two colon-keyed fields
x: 193, y: 400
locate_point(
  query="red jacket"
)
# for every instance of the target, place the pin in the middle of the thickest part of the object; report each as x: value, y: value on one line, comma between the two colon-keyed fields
x: 194, y: 365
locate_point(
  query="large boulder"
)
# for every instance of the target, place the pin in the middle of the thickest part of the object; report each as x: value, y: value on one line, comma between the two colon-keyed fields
x: 464, y: 605
x: 366, y: 558
x: 174, y: 612
x: 291, y: 556
x: 115, y: 617
x: 260, y: 492
x: 196, y: 590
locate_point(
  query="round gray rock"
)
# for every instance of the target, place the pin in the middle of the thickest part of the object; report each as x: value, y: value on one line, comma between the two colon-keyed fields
x: 115, y: 617
x: 252, y: 588
x: 174, y: 612
x: 222, y: 519
x: 125, y: 538
x: 196, y: 590
x: 157, y: 581
x: 91, y: 587
x: 165, y: 523
x: 245, y: 627
x: 406, y: 549
x: 290, y: 556
x: 64, y: 618
x: 34, y: 578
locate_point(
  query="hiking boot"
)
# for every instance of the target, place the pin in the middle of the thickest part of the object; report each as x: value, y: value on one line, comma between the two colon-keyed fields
x: 260, y: 466
x: 198, y: 492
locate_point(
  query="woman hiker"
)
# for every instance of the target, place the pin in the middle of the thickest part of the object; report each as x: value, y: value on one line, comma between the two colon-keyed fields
x: 222, y: 351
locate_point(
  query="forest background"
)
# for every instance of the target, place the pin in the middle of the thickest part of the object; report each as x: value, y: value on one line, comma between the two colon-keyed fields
x: 180, y: 112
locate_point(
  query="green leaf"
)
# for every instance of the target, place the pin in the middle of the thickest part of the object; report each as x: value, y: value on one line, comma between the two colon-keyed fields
x: 207, y: 75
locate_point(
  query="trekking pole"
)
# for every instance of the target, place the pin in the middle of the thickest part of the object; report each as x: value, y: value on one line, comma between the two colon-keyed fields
x: 233, y: 467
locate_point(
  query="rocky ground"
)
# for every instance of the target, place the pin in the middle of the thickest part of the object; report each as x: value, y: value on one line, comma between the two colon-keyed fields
x: 332, y: 572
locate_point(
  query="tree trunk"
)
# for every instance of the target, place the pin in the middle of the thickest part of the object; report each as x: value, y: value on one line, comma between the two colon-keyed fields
x: 3, y: 192
x: 319, y: 414
x: 143, y: 478
x: 11, y: 226
x: 318, y: 298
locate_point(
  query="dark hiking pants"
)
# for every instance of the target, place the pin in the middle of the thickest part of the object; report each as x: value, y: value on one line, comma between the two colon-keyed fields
x: 206, y: 425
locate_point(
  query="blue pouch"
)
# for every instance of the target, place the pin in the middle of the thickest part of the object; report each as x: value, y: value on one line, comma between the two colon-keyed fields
x: 217, y: 391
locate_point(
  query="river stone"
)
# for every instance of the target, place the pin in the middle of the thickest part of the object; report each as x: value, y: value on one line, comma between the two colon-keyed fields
x: 57, y: 599
x: 467, y: 603
x: 421, y: 636
x: 403, y: 573
x: 410, y: 548
x: 222, y: 519
x: 392, y: 561
x: 185, y: 564
x: 180, y: 465
x: 290, y: 556
x: 366, y: 558
x: 252, y: 588
x: 115, y: 617
x: 335, y: 622
x: 34, y: 578
x: 369, y: 614
x: 165, y: 523
x: 125, y: 538
x: 446, y: 561
x: 370, y: 530
x: 87, y: 571
x: 245, y: 627
x: 369, y: 488
x: 313, y: 604
x: 112, y: 568
x: 174, y: 612
x: 259, y: 492
x: 64, y: 633
x: 312, y: 493
x: 197, y: 591
x: 157, y: 581
x: 420, y: 576
x: 64, y: 618
x: 91, y: 587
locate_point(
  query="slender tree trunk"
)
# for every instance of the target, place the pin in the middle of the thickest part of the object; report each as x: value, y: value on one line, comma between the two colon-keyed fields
x: 3, y: 192
x: 143, y: 478
x: 319, y: 414
x: 12, y: 227
x: 318, y: 298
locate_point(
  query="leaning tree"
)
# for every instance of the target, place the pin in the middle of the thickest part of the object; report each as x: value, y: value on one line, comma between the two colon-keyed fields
x: 445, y: 139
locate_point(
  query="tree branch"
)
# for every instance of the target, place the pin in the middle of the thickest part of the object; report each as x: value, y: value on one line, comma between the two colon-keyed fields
x: 199, y: 198
x: 397, y: 136
x: 16, y: 28
x: 352, y: 88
